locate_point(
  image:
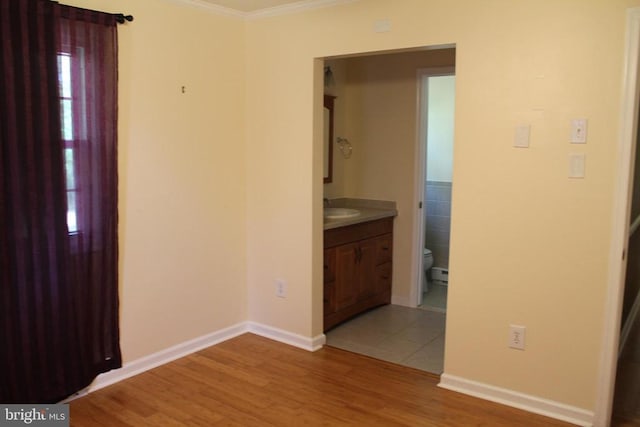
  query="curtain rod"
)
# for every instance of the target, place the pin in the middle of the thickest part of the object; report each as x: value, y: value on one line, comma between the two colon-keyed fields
x: 121, y: 17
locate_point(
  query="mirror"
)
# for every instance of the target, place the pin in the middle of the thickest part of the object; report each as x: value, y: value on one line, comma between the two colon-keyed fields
x: 328, y: 138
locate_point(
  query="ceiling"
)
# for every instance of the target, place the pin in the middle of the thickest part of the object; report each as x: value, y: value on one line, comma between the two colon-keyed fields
x: 250, y: 5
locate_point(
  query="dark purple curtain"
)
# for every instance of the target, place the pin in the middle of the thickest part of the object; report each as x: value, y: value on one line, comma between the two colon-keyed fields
x: 58, y: 200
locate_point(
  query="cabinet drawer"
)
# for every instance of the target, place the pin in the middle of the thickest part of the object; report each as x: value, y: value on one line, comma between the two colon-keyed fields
x: 383, y: 278
x: 384, y: 249
x: 353, y: 233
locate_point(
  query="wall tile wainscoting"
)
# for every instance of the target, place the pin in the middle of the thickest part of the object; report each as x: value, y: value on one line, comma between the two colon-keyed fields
x: 438, y: 222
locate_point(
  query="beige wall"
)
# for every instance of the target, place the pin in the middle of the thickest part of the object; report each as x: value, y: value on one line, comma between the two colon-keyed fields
x: 182, y: 173
x: 337, y: 187
x: 523, y: 234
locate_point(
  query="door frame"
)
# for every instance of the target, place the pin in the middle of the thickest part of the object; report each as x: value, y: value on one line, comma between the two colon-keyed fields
x: 620, y: 221
x: 417, y: 272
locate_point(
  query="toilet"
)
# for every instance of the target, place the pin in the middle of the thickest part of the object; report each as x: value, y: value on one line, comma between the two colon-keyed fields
x: 427, y: 263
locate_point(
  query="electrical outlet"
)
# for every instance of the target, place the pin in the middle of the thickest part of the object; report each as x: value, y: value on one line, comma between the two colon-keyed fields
x: 281, y: 288
x: 516, y: 336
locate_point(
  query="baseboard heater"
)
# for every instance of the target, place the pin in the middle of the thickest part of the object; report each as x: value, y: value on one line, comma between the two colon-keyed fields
x: 440, y: 274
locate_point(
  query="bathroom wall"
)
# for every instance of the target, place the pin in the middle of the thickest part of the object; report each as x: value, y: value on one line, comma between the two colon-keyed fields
x: 337, y: 188
x: 380, y: 104
x: 439, y: 94
x: 437, y: 206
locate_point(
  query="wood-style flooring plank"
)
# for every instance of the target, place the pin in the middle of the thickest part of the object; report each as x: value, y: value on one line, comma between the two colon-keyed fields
x: 254, y: 381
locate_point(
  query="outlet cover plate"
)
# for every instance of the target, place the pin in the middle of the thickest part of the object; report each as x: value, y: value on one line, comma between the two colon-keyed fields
x: 517, y: 336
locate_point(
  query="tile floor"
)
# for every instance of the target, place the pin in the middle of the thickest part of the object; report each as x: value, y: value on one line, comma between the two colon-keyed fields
x: 407, y: 336
x: 435, y: 298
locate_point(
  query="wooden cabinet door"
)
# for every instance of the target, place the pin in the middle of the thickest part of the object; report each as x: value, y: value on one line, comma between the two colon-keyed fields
x: 366, y: 268
x: 329, y: 285
x: 329, y: 297
x: 347, y: 284
x: 357, y: 269
x: 329, y: 274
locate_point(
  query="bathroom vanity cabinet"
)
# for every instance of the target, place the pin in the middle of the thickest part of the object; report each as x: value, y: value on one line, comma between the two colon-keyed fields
x: 357, y: 269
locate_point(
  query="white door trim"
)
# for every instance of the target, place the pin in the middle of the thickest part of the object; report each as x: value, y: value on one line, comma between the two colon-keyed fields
x: 620, y: 227
x: 417, y: 273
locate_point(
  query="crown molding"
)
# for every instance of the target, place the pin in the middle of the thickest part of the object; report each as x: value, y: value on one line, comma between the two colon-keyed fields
x: 296, y: 7
x: 212, y: 8
x: 285, y: 9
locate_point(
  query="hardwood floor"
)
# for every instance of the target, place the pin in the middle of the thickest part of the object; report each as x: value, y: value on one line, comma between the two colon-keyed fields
x: 253, y: 381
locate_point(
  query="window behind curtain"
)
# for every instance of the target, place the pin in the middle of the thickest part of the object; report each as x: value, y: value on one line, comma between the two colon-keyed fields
x: 66, y: 116
x: 58, y: 199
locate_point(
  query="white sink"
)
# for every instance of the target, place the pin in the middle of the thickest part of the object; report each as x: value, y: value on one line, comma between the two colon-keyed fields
x: 339, y: 213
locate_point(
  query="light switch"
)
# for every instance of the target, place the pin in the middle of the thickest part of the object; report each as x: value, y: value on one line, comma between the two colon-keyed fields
x: 576, y: 165
x: 579, y: 131
x: 521, y: 139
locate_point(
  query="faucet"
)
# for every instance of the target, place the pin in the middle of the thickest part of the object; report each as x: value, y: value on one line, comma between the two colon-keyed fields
x: 326, y: 202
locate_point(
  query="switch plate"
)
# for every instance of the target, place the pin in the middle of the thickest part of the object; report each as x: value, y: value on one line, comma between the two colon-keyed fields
x: 521, y: 139
x: 516, y: 336
x: 576, y: 165
x: 579, y: 131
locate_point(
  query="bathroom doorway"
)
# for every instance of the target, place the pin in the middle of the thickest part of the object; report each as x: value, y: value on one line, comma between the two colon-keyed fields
x: 376, y: 110
x: 436, y: 95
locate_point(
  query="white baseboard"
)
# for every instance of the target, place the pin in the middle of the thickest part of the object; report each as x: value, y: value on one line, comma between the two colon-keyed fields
x: 549, y: 408
x: 403, y: 301
x: 161, y: 357
x: 300, y: 341
x: 170, y: 354
x: 433, y: 309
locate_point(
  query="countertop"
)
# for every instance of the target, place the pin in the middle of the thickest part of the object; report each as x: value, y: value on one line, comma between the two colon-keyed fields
x: 370, y: 210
